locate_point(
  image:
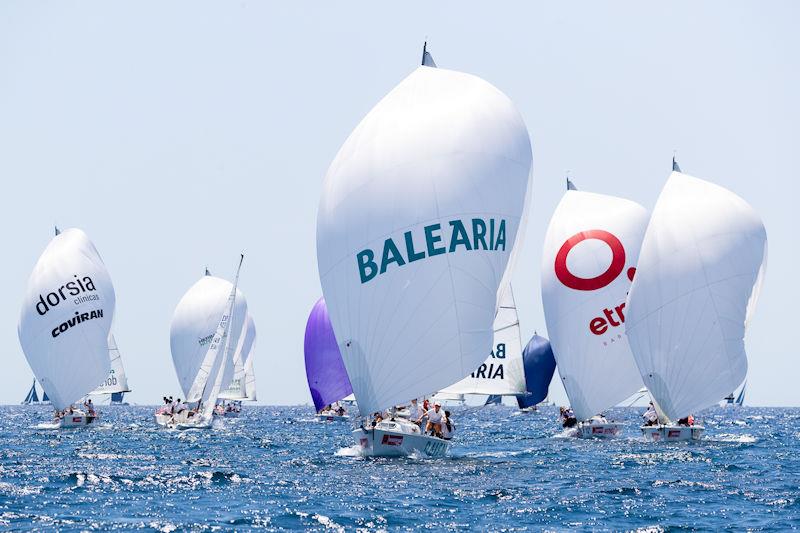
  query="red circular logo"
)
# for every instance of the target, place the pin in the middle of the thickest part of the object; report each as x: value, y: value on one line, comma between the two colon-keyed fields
x: 590, y: 284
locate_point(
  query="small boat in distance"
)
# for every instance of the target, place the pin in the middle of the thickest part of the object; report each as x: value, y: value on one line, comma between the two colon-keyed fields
x: 116, y: 383
x: 697, y: 283
x: 64, y: 324
x: 32, y: 398
x: 419, y: 214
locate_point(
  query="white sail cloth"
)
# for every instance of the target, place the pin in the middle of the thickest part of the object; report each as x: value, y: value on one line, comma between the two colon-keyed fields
x: 66, y: 318
x: 590, y: 253
x: 702, y: 260
x: 419, y: 213
x: 116, y: 381
x: 502, y: 373
x: 193, y: 326
x: 238, y: 385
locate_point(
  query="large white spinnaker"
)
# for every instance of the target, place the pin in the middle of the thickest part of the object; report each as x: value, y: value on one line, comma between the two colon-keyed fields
x: 194, y: 323
x: 701, y: 264
x: 116, y: 381
x: 418, y: 217
x: 589, y: 258
x: 238, y: 387
x: 502, y: 373
x: 66, y: 318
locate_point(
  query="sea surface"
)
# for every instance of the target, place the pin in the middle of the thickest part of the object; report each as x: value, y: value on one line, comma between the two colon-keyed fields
x: 276, y: 468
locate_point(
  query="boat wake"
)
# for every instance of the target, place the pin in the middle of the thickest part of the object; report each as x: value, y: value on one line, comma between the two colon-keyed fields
x: 737, y: 439
x: 349, y: 451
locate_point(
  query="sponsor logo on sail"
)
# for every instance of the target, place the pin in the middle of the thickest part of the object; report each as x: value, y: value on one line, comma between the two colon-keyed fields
x: 70, y: 290
x: 79, y: 318
x: 494, y: 369
x: 615, y: 316
x: 475, y: 234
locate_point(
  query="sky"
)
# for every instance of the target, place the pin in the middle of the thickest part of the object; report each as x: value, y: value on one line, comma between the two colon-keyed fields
x: 177, y: 134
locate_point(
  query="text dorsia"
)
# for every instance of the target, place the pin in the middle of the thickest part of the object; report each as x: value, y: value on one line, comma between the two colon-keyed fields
x: 75, y: 290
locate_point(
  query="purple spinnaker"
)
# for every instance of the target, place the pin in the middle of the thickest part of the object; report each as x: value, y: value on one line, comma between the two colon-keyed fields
x: 327, y: 376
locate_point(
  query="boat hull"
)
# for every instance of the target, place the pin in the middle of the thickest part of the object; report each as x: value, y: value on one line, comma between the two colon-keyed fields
x: 168, y: 420
x: 388, y: 443
x: 332, y: 418
x: 672, y: 433
x: 600, y: 430
x: 76, y: 420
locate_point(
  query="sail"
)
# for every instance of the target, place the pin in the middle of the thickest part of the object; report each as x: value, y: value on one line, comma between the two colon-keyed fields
x: 117, y: 397
x: 66, y: 317
x: 701, y: 258
x: 31, y: 397
x: 427, y: 58
x: 193, y: 326
x: 502, y: 373
x: 589, y: 258
x: 116, y: 381
x: 540, y: 365
x: 238, y: 385
x: 493, y: 399
x: 419, y: 213
x: 250, y: 379
x: 45, y: 399
x: 327, y: 377
x: 740, y: 398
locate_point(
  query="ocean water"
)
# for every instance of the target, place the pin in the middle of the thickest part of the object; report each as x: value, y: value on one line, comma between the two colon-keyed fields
x: 276, y: 468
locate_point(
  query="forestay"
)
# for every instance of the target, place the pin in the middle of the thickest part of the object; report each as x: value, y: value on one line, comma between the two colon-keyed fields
x: 419, y: 213
x: 325, y: 371
x: 502, y: 373
x: 589, y: 258
x: 194, y: 323
x: 701, y: 263
x: 66, y: 317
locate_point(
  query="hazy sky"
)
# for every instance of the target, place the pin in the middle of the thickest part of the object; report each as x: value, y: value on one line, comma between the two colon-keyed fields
x: 178, y: 133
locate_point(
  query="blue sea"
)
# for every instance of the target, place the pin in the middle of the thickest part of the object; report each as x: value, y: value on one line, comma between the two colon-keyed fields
x: 276, y: 468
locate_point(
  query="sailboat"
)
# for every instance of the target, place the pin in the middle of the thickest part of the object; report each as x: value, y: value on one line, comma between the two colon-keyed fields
x: 736, y: 400
x: 325, y: 371
x: 697, y: 282
x: 65, y: 321
x: 116, y: 383
x: 204, y: 331
x: 540, y: 365
x: 502, y: 373
x: 236, y: 393
x: 589, y: 259
x: 419, y: 214
x: 32, y: 398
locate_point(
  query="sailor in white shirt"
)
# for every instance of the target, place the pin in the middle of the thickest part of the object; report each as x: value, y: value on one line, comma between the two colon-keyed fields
x: 435, y: 417
x: 413, y: 410
x: 448, y: 427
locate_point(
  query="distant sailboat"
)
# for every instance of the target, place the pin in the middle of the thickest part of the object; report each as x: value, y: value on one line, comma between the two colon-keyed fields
x: 418, y: 217
x: 65, y: 322
x: 325, y: 371
x: 502, y: 373
x: 697, y: 282
x: 32, y: 398
x: 204, y: 331
x: 540, y: 365
x: 237, y: 391
x: 589, y: 258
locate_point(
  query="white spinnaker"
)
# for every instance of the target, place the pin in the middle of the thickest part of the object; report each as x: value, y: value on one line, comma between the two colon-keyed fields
x: 502, y: 373
x: 194, y: 323
x: 66, y: 345
x: 590, y: 250
x: 442, y: 149
x: 702, y: 260
x: 116, y: 381
x: 238, y: 387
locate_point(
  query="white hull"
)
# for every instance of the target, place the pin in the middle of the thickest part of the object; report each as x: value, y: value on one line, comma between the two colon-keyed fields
x: 393, y: 439
x: 672, y: 433
x: 332, y: 417
x: 602, y: 430
x: 172, y: 421
x: 76, y: 420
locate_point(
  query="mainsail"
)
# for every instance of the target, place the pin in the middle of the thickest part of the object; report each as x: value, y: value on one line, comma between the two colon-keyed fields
x: 590, y: 251
x: 66, y: 317
x: 419, y: 213
x: 116, y: 381
x: 244, y: 349
x: 195, y: 322
x: 502, y: 373
x: 702, y: 259
x: 540, y: 365
x: 327, y: 377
